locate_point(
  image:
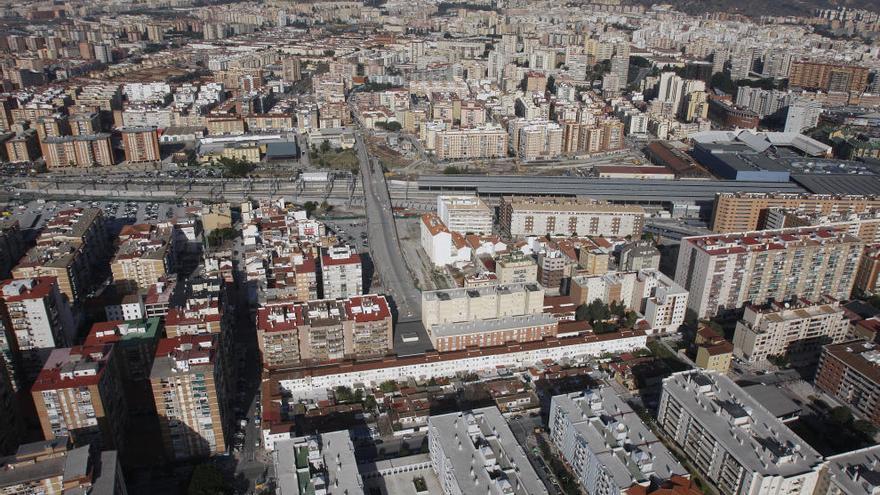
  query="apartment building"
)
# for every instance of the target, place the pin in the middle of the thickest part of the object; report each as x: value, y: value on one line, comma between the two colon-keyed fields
x: 851, y: 473
x: 868, y: 273
x: 292, y: 334
x: 864, y: 225
x: 34, y: 319
x: 54, y: 467
x: 465, y: 214
x: 93, y: 150
x: 828, y: 76
x: 796, y: 329
x: 639, y: 255
x: 741, y: 212
x: 448, y: 337
x: 476, y: 452
x: 190, y: 383
x: 522, y: 216
x: 79, y: 394
x: 443, y: 246
x: 134, y: 344
x: 661, y: 300
x: 341, y: 272
x: 141, y: 144
x: 539, y: 141
x: 850, y: 372
x: 312, y: 464
x: 609, y: 448
x: 11, y: 246
x: 23, y: 147
x: 145, y: 253
x: 73, y: 247
x: 481, y: 303
x: 732, y: 439
x: 516, y: 268
x: 11, y: 429
x: 486, y: 141
x: 724, y: 271
x: 195, y: 317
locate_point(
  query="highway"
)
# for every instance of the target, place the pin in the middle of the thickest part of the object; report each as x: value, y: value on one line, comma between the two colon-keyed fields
x: 384, y: 244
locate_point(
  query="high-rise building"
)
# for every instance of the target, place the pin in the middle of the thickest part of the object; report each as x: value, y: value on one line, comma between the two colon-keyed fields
x: 465, y: 214
x: 293, y: 334
x: 732, y: 439
x: 11, y: 246
x: 802, y: 114
x: 828, y: 76
x: 341, y: 273
x: 456, y: 440
x: 724, y: 271
x: 73, y: 247
x: 134, y: 343
x: 141, y: 144
x: 485, y: 141
x: 522, y: 216
x: 620, y: 65
x: 190, y: 382
x: 740, y: 212
x: 539, y: 140
x: 144, y: 255
x: 78, y: 151
x: 79, y: 394
x: 53, y: 467
x: 11, y: 428
x: 796, y: 329
x: 850, y: 372
x: 607, y: 445
x: 35, y: 319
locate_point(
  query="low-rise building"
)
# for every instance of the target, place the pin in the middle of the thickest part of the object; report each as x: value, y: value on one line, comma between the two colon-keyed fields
x: 443, y: 246
x: 323, y: 463
x: 53, y: 467
x: 714, y: 352
x: 516, y: 268
x: 492, y: 332
x: 522, y: 216
x: 852, y: 473
x: 481, y: 303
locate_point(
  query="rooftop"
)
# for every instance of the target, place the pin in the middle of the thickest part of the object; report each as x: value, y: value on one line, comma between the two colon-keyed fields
x: 492, y: 325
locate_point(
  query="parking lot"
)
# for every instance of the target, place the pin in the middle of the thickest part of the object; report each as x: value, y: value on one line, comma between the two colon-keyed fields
x: 34, y: 214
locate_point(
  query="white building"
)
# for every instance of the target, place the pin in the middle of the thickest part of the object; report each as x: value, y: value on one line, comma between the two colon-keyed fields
x: 608, y: 447
x: 341, y: 273
x: 152, y: 92
x: 320, y: 464
x: 732, y: 439
x: 474, y: 452
x: 852, y: 473
x: 443, y: 247
x: 465, y: 214
x: 130, y: 308
x: 802, y: 114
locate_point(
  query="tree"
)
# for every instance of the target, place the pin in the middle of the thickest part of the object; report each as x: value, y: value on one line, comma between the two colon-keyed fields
x: 343, y: 394
x: 388, y: 386
x: 235, y: 167
x: 840, y: 415
x: 391, y: 125
x: 722, y: 82
x: 207, y: 480
x: 310, y: 207
x: 452, y: 170
x: 325, y: 146
x: 219, y: 236
x: 370, y: 403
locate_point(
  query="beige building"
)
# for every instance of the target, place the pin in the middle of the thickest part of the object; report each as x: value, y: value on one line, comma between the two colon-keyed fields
x: 487, y: 141
x: 481, y: 303
x: 714, y: 353
x: 539, y: 141
x: 796, y: 330
x: 296, y: 334
x: 741, y: 212
x: 522, y: 216
x: 725, y: 271
x: 516, y: 268
x: 141, y: 144
x: 225, y: 126
x: 144, y: 255
x: 78, y: 151
x: 864, y: 225
x: 465, y: 214
x: 449, y: 337
x: 190, y: 384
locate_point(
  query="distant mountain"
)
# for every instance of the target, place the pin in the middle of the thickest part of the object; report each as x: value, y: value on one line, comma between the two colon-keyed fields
x: 762, y: 7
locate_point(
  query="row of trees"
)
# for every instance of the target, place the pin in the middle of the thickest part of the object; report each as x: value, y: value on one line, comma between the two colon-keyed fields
x: 606, y: 318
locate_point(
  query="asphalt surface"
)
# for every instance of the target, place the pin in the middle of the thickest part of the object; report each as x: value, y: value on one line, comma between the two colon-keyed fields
x: 384, y: 243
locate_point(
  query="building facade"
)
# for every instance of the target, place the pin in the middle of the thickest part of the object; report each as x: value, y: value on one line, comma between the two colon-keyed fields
x: 532, y: 215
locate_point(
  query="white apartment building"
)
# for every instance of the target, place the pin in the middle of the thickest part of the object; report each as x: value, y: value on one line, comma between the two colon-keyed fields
x: 852, y: 473
x: 522, y: 216
x: 449, y: 364
x: 465, y: 214
x: 606, y: 444
x: 147, y: 92
x: 442, y: 246
x: 724, y: 271
x: 796, y: 329
x: 341, y: 273
x: 481, y: 303
x: 475, y: 452
x: 733, y: 440
x: 485, y: 141
x: 662, y: 301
